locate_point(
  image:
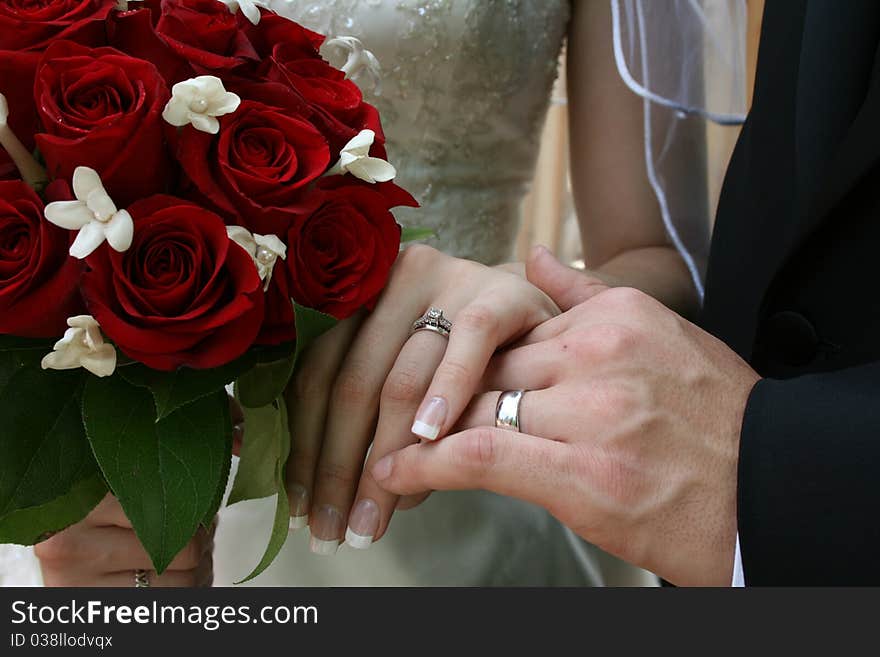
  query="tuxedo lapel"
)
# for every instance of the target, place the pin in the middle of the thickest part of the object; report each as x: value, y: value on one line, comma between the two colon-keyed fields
x: 837, y: 116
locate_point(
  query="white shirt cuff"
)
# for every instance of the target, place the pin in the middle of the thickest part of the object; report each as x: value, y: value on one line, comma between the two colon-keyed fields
x: 739, y: 578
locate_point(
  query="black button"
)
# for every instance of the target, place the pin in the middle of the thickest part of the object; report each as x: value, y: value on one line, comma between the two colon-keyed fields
x: 790, y: 338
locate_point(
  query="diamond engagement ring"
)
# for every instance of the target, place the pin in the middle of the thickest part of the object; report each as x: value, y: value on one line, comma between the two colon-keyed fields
x: 141, y: 579
x: 433, y: 320
x: 507, y: 410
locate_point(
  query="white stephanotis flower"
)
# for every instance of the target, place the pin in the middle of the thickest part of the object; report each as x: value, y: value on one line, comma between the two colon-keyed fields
x: 264, y: 249
x: 355, y: 159
x: 359, y: 62
x: 199, y: 101
x: 82, y: 346
x: 93, y: 214
x: 250, y: 8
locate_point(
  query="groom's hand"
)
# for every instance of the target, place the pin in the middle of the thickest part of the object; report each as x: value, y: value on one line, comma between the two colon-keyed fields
x: 631, y: 430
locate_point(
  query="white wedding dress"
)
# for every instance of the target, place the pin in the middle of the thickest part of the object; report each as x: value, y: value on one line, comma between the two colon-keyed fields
x: 464, y: 88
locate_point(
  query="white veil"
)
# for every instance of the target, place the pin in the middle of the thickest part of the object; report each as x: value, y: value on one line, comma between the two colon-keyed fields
x: 687, y: 60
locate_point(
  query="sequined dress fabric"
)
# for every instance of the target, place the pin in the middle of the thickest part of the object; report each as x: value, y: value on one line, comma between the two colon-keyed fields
x: 464, y: 89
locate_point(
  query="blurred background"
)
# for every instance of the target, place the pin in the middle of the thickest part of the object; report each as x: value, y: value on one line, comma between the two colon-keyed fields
x: 549, y: 213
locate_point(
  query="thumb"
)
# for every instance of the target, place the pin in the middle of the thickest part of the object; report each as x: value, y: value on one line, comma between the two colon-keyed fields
x: 566, y: 286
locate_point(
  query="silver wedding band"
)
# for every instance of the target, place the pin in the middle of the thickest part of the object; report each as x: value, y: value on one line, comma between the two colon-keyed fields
x: 141, y: 579
x: 433, y: 321
x: 507, y: 410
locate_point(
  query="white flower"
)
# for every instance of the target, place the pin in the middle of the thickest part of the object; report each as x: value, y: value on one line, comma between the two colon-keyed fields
x: 82, y: 346
x: 31, y: 171
x: 199, y: 101
x: 264, y: 249
x: 355, y: 159
x: 250, y: 8
x: 93, y: 214
x: 359, y: 62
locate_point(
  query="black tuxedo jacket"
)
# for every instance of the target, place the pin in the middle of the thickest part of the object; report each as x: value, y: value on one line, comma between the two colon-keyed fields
x: 794, y: 287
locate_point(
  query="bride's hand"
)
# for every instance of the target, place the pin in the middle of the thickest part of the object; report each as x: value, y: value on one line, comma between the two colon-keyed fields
x: 103, y: 551
x: 362, y: 384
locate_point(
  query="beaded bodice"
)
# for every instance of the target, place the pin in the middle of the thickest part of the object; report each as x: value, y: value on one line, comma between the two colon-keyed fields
x: 463, y: 91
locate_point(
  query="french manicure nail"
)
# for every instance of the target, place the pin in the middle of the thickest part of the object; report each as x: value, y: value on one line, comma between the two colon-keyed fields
x: 362, y: 525
x: 327, y: 527
x: 298, y: 497
x: 430, y: 418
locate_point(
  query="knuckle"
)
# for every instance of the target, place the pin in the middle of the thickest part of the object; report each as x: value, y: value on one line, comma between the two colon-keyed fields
x: 59, y: 549
x: 454, y: 373
x: 352, y: 388
x: 609, y: 341
x: 478, y: 452
x: 478, y: 319
x: 337, y: 475
x: 624, y: 297
x: 416, y: 257
x: 403, y: 387
x: 303, y: 454
x: 307, y: 386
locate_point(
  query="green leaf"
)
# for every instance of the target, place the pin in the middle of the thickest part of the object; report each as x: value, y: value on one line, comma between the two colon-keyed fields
x: 16, y: 353
x: 281, y: 522
x: 266, y: 381
x: 413, y: 234
x: 260, y: 454
x: 43, y: 444
x: 30, y: 526
x: 165, y: 473
x: 226, y: 464
x: 173, y: 390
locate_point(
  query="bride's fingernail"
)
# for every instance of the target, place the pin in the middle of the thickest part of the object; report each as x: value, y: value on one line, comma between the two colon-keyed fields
x: 298, y: 497
x: 327, y: 525
x: 430, y: 418
x: 362, y: 525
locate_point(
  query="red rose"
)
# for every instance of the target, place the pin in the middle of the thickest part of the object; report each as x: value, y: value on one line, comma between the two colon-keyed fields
x: 32, y: 24
x: 103, y: 109
x: 134, y: 32
x: 183, y: 295
x: 17, y: 70
x: 254, y: 171
x: 274, y: 29
x: 38, y: 280
x: 340, y: 256
x: 338, y: 107
x: 205, y: 33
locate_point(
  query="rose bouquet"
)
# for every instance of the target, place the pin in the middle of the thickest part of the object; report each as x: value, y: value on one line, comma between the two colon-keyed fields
x: 189, y: 195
